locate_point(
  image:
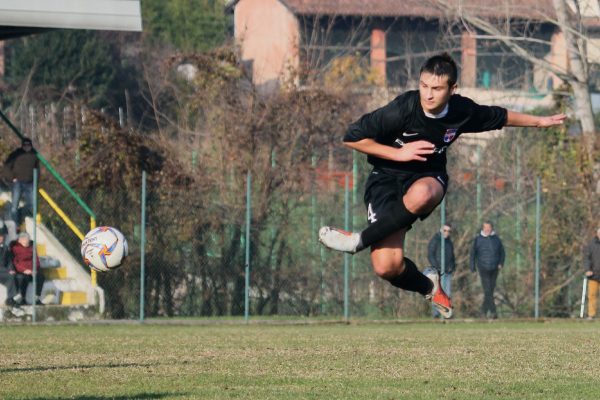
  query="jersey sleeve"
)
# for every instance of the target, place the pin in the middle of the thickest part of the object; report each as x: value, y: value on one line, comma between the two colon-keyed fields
x: 381, y: 124
x: 484, y: 118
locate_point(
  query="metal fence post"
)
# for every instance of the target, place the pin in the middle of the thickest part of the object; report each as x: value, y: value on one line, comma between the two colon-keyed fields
x: 346, y: 255
x: 583, y: 296
x: 537, y: 247
x: 143, y: 249
x: 478, y: 185
x: 34, y: 260
x: 354, y: 199
x: 518, y: 213
x: 442, y: 239
x: 247, y: 269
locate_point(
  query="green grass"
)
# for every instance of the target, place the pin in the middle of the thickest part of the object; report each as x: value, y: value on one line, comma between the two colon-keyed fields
x: 508, y: 360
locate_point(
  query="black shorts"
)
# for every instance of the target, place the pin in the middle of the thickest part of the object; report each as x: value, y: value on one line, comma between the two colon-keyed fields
x: 383, y: 189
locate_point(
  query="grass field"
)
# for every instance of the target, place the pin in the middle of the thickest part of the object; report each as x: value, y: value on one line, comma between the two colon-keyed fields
x: 508, y: 360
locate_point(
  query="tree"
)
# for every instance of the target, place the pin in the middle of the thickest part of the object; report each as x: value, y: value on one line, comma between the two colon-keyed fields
x: 515, y: 33
x: 81, y: 63
x: 188, y: 25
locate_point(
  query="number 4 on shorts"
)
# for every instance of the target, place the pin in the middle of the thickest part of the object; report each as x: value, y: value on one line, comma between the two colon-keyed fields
x: 371, y: 216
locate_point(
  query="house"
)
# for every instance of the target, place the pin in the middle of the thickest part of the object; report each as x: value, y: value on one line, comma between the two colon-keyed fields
x: 394, y: 37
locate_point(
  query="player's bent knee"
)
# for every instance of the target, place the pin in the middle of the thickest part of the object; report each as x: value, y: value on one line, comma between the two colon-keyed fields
x: 424, y: 192
x: 387, y: 269
x: 423, y: 196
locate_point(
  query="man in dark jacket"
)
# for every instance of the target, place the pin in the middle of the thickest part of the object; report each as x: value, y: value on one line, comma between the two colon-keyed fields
x: 434, y: 253
x: 7, y: 272
x: 487, y: 255
x: 19, y: 168
x: 591, y: 265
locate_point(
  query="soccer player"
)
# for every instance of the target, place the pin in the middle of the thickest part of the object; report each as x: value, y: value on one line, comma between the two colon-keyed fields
x: 406, y: 142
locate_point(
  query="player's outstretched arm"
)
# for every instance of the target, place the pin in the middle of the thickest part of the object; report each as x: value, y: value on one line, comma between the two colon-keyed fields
x: 414, y: 151
x: 518, y: 119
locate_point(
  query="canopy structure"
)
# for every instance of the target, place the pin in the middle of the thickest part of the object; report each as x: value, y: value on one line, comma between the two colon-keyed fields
x: 24, y: 17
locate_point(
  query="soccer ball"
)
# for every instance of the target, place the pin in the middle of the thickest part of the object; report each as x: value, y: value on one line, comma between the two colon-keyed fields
x: 104, y: 248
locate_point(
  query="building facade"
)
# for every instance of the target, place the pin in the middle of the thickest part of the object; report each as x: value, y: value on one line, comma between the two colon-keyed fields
x: 302, y: 39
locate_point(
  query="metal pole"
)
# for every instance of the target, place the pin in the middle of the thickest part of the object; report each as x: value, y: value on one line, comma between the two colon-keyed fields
x: 121, y: 118
x: 346, y: 255
x: 583, y: 296
x: 34, y: 260
x: 143, y: 249
x: 478, y: 185
x: 537, y: 248
x: 93, y: 273
x: 247, y: 269
x: 518, y: 216
x: 442, y: 241
x: 322, y: 274
x: 313, y: 212
x: 354, y: 198
x: 194, y: 159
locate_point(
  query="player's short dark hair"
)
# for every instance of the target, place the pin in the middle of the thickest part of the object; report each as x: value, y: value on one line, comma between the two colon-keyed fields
x: 440, y: 65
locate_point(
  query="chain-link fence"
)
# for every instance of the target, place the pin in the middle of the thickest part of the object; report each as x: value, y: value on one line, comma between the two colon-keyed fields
x: 197, y: 253
x: 199, y: 260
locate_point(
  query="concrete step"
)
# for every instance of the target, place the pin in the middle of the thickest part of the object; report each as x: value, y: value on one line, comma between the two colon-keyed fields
x: 55, y: 273
x: 72, y: 298
x: 41, y: 250
x: 49, y: 313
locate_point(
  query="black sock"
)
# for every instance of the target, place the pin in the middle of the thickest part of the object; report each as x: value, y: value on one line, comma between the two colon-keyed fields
x: 397, y: 218
x: 412, y: 279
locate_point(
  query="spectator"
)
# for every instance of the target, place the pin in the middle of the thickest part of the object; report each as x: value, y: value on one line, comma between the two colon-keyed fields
x: 19, y: 169
x: 487, y: 255
x: 591, y: 264
x: 434, y: 252
x: 7, y: 272
x: 22, y: 252
x: 10, y: 229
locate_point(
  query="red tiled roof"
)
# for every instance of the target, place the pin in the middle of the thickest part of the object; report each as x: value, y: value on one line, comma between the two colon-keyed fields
x: 534, y: 9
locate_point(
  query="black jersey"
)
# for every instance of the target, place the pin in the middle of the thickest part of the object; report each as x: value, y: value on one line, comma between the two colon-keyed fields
x: 403, y: 121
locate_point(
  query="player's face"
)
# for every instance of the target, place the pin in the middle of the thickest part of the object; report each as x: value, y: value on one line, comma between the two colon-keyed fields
x: 434, y: 92
x: 487, y: 229
x: 446, y: 231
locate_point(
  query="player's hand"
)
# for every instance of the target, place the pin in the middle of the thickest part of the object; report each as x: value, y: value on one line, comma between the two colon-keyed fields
x: 552, y: 120
x: 415, y: 151
x: 27, y: 272
x: 589, y: 273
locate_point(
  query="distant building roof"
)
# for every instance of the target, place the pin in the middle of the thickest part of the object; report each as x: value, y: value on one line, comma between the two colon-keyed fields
x: 529, y: 9
x: 21, y: 17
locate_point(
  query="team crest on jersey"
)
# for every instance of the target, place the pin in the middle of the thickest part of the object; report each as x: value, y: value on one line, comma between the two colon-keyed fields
x: 449, y: 135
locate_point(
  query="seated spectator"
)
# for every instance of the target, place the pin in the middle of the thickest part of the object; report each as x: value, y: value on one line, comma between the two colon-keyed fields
x: 22, y: 253
x: 7, y: 272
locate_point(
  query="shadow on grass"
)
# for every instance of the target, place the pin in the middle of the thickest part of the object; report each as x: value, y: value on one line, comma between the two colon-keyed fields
x: 123, y: 397
x: 73, y: 367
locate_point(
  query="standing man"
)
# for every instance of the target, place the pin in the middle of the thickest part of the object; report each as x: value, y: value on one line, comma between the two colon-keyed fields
x: 591, y: 265
x: 487, y: 255
x: 434, y: 255
x: 406, y: 142
x: 19, y: 168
